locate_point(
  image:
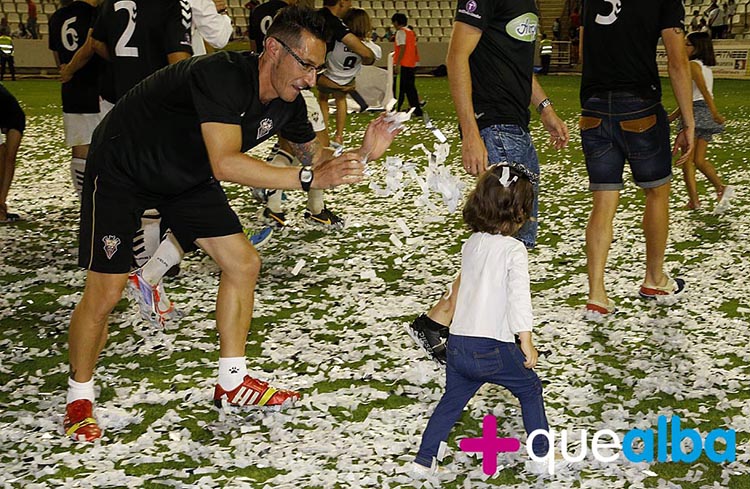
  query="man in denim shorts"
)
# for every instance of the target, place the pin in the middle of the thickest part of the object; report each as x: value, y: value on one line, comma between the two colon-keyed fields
x: 490, y: 69
x: 623, y: 119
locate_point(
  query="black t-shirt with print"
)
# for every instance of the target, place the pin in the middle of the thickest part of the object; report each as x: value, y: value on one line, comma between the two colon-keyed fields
x: 140, y: 34
x: 152, y: 138
x: 68, y: 28
x: 619, y: 46
x: 502, y: 63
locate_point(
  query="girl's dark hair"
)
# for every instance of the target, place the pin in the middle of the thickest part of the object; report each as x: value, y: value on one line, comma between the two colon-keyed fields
x: 496, y: 209
x: 358, y: 21
x: 703, y: 48
x: 289, y: 23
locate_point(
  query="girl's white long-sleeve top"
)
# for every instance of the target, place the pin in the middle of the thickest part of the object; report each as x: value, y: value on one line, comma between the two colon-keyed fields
x: 494, y: 298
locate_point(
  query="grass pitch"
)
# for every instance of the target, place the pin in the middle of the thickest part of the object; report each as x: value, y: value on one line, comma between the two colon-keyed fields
x: 335, y: 331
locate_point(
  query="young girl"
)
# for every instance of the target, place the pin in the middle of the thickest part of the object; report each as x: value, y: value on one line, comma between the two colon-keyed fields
x: 708, y: 121
x: 493, y: 305
x: 342, y: 67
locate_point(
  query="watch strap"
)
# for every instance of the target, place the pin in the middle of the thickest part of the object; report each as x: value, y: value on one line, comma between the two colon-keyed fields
x: 543, y: 105
x: 306, y: 185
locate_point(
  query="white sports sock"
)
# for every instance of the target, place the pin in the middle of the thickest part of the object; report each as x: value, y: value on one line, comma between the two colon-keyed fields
x: 168, y: 254
x: 147, y: 239
x: 232, y: 371
x: 77, y: 168
x: 315, y: 200
x: 274, y: 200
x: 280, y: 159
x: 80, y: 390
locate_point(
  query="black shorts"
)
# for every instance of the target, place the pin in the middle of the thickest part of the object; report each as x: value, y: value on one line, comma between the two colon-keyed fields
x: 111, y: 215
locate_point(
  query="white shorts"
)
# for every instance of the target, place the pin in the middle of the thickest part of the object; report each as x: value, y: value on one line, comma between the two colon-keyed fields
x: 314, y: 114
x: 79, y: 128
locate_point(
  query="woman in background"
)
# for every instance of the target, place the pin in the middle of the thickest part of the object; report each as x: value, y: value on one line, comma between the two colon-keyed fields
x: 708, y: 121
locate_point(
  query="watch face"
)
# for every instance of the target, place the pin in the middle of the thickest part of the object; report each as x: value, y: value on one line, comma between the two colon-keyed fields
x: 306, y: 175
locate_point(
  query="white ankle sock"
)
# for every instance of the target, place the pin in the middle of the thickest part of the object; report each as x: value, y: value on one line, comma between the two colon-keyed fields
x: 80, y: 390
x: 232, y: 371
x: 281, y: 159
x: 168, y: 254
x: 274, y: 200
x: 315, y: 200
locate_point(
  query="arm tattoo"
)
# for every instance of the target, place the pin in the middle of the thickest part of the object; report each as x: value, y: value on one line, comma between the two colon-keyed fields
x: 306, y: 152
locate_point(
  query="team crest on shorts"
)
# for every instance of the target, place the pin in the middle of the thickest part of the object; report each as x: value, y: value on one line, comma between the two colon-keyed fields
x: 265, y: 127
x: 110, y: 245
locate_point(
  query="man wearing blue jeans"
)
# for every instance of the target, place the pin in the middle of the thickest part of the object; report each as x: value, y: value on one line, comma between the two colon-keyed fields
x: 623, y: 118
x: 490, y: 70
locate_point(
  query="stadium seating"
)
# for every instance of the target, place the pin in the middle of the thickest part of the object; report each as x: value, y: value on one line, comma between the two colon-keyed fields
x: 431, y: 19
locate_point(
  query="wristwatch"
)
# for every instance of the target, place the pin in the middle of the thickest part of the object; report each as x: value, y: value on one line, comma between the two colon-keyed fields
x: 306, y: 178
x: 543, y: 105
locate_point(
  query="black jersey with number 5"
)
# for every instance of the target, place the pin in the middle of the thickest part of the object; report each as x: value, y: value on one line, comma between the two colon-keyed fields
x: 68, y: 28
x: 619, y: 45
x: 140, y: 34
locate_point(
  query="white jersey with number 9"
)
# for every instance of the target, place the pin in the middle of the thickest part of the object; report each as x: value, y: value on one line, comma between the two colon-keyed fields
x: 342, y: 65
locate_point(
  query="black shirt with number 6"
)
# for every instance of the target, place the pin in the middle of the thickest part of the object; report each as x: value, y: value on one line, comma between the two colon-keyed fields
x: 68, y: 28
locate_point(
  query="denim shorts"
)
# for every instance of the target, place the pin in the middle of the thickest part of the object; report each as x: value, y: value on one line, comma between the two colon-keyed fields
x: 511, y: 142
x: 616, y: 127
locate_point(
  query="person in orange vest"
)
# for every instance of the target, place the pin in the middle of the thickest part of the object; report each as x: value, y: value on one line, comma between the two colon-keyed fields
x: 405, y: 58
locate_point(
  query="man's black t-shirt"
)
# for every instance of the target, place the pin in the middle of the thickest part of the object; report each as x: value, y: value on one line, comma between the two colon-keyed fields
x: 68, y: 28
x: 502, y: 64
x: 619, y: 45
x: 152, y: 139
x: 11, y: 114
x: 261, y: 19
x: 335, y: 29
x: 140, y: 34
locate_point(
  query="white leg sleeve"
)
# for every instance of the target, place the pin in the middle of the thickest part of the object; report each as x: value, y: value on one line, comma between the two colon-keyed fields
x: 77, y: 167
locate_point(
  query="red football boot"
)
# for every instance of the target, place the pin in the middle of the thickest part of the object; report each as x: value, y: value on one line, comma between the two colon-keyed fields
x: 79, y: 423
x: 253, y: 392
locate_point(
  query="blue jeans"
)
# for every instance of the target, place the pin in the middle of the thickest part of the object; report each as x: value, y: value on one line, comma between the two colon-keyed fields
x: 618, y: 126
x: 511, y: 142
x: 471, y: 363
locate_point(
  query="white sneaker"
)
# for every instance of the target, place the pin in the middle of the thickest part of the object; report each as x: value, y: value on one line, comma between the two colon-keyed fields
x: 726, y: 199
x: 419, y: 471
x: 152, y: 301
x: 541, y: 467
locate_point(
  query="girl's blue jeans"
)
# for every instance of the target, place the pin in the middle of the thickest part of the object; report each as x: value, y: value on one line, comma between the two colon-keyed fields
x: 472, y: 362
